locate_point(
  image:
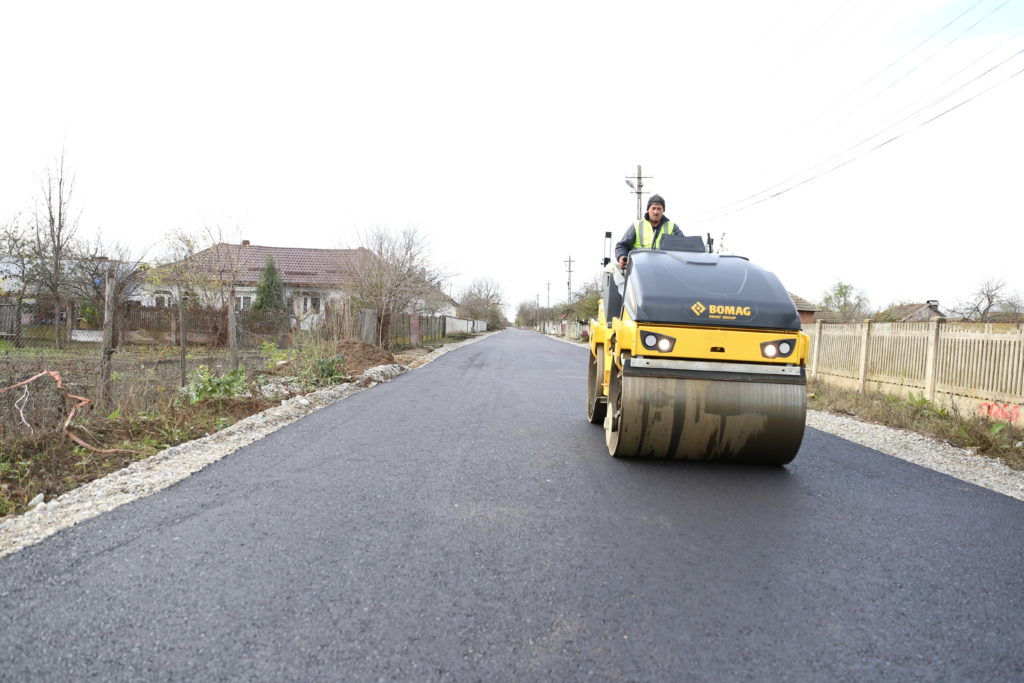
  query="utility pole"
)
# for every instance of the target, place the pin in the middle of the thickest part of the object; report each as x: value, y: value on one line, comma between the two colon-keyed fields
x: 536, y: 313
x: 548, y: 283
x: 638, y: 189
x: 569, y: 283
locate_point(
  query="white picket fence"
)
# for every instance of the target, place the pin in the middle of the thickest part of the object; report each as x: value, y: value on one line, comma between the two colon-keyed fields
x: 975, y: 366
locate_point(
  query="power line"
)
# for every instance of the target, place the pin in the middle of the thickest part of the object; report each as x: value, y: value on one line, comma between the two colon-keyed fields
x: 951, y: 77
x: 892, y: 64
x: 813, y: 38
x: 753, y: 199
x: 923, y: 62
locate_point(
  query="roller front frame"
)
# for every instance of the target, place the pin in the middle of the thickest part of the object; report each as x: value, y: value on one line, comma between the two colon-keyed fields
x: 714, y: 396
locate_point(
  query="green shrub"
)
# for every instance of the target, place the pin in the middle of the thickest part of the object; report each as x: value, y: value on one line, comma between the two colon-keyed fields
x: 273, y: 355
x: 205, y: 383
x: 330, y: 370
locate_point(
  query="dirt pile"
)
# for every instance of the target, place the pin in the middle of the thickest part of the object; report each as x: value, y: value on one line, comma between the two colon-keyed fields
x: 360, y: 356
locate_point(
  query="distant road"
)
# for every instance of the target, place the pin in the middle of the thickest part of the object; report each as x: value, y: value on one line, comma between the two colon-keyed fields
x: 465, y: 522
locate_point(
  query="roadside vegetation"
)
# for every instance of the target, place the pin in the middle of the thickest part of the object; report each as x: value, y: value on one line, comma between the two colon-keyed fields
x: 913, y: 412
x: 45, y: 461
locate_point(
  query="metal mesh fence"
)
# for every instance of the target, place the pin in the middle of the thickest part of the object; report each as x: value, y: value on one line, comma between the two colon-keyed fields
x: 146, y: 368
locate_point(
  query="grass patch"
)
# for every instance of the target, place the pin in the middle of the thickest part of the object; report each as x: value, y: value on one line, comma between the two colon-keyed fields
x: 915, y: 413
x: 454, y: 338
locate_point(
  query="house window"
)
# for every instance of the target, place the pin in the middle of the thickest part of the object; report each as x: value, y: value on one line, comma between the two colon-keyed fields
x: 162, y: 299
x: 243, y: 303
x: 310, y: 304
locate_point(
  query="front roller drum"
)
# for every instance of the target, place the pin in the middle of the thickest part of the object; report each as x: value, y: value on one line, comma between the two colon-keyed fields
x: 705, y: 419
x: 596, y: 401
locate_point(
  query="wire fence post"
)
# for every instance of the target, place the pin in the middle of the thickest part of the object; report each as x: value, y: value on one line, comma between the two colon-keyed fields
x: 233, y: 329
x: 181, y: 339
x: 109, y: 311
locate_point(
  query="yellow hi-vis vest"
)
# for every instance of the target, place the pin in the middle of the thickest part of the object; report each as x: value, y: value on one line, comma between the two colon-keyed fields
x: 645, y: 234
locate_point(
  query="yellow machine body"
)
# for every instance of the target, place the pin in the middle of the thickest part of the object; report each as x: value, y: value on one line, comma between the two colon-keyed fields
x: 716, y: 388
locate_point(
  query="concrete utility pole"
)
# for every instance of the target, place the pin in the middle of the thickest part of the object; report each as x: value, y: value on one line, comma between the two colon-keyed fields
x: 569, y: 283
x: 638, y: 189
x: 548, y: 283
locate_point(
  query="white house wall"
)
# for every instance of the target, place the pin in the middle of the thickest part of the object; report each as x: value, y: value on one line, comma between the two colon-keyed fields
x: 453, y: 325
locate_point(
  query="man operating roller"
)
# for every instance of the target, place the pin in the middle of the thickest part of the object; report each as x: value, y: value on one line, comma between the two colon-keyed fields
x: 646, y: 233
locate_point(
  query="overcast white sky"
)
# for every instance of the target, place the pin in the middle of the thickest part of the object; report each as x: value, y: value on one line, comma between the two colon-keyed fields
x: 504, y: 131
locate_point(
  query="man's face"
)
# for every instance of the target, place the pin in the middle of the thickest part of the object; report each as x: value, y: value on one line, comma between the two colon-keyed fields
x: 655, y: 212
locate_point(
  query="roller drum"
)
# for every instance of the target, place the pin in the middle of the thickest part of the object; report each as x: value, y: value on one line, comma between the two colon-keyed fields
x: 703, y: 419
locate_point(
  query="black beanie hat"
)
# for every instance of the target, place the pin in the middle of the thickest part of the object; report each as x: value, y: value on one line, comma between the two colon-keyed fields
x: 656, y: 199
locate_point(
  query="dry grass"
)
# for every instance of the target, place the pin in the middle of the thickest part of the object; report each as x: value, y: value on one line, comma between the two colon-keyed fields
x: 915, y: 413
x: 150, y: 415
x: 51, y: 464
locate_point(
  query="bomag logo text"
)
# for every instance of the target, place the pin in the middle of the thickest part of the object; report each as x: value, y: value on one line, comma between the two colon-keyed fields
x: 721, y: 311
x: 729, y: 310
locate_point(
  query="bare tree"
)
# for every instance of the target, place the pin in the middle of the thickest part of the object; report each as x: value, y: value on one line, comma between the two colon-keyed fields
x: 1011, y: 309
x: 53, y: 240
x: 530, y: 314
x: 583, y: 306
x: 392, y: 275
x: 991, y: 302
x: 200, y: 266
x: 847, y: 302
x: 484, y: 300
x: 15, y: 271
x: 199, y: 269
x: 180, y: 277
x: 88, y: 273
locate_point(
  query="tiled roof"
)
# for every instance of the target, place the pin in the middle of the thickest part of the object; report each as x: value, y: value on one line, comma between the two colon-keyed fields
x: 826, y: 316
x: 904, y: 311
x: 802, y: 304
x: 297, y: 266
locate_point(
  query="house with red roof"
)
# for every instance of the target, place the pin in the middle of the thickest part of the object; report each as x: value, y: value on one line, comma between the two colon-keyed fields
x: 313, y: 279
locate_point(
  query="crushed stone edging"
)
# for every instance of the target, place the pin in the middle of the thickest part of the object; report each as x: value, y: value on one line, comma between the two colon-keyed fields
x: 962, y: 463
x: 168, y: 467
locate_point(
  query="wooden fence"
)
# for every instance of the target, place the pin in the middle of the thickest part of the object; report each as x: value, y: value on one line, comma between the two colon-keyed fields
x: 974, y: 365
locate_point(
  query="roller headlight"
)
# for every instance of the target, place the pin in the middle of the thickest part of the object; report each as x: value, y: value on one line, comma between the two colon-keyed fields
x: 657, y: 342
x: 780, y: 348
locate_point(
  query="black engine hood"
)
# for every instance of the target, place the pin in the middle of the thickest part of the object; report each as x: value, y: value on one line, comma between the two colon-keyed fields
x: 714, y: 290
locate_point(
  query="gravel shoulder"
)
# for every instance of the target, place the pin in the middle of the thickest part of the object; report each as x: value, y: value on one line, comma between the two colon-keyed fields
x: 153, y: 474
x: 927, y: 452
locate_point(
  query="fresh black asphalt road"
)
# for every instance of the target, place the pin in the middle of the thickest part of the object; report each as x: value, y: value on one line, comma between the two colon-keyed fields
x: 465, y: 522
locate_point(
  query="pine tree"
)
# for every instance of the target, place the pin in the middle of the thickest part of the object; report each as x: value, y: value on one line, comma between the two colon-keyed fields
x: 270, y: 289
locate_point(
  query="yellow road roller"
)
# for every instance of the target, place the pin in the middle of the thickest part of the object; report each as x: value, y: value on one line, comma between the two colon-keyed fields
x: 697, y: 356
